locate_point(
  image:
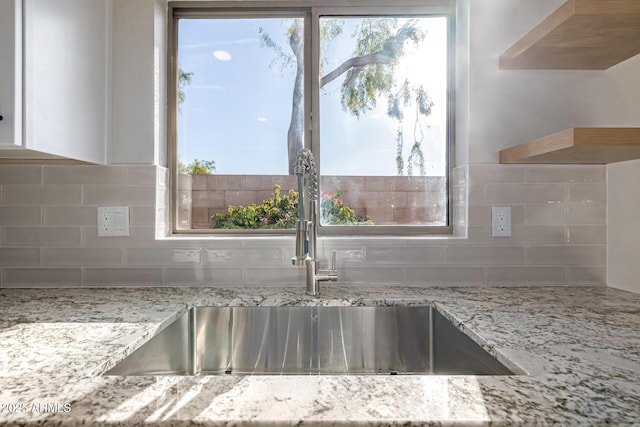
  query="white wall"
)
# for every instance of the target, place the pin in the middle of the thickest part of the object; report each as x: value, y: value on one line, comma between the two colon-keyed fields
x: 623, y: 179
x: 133, y: 110
x: 508, y: 107
x: 623, y: 226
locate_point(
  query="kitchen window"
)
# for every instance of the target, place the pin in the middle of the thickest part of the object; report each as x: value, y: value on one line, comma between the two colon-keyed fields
x: 367, y: 89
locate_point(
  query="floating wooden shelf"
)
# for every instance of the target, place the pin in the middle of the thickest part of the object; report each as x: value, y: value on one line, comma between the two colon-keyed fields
x: 580, y: 35
x: 578, y: 146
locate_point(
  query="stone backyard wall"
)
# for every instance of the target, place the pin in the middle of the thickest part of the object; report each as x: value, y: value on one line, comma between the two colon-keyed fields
x: 386, y: 200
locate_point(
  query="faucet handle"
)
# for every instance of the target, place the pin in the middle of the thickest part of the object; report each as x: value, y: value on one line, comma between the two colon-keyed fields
x: 333, y: 261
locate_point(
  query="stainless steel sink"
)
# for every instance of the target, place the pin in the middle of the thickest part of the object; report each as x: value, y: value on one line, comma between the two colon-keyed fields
x: 310, y: 340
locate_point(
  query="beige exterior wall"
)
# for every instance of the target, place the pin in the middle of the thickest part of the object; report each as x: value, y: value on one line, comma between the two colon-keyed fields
x: 386, y: 200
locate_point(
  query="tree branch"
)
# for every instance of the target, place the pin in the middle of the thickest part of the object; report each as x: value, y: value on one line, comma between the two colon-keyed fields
x: 380, y: 57
x: 392, y: 47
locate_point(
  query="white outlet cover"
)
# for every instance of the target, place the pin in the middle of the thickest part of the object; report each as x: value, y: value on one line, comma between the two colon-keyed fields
x: 113, y: 221
x: 501, y: 221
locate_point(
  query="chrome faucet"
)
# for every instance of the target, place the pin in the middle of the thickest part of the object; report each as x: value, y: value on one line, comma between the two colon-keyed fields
x: 307, y: 226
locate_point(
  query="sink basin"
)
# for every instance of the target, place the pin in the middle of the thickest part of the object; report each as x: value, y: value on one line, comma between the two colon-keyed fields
x: 310, y: 340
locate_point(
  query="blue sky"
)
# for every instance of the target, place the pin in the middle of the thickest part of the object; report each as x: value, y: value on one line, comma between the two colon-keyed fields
x: 238, y: 105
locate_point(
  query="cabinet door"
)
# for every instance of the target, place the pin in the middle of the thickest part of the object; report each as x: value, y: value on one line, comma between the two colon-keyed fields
x: 66, y: 77
x: 10, y: 74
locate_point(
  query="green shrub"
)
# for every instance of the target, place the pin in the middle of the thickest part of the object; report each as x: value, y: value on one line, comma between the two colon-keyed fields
x: 278, y: 212
x: 281, y: 212
x: 334, y: 212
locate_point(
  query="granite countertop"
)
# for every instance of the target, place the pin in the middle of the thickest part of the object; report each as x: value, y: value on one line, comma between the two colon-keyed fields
x: 579, y: 348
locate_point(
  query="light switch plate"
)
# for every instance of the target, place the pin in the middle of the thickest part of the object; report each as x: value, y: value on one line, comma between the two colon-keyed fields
x: 113, y: 221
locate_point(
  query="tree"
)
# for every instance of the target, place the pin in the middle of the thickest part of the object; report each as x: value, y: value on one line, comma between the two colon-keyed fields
x: 396, y: 104
x: 184, y: 80
x: 370, y: 73
x: 197, y: 167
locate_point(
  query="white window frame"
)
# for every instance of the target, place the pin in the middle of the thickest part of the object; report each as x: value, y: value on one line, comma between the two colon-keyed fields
x: 312, y: 10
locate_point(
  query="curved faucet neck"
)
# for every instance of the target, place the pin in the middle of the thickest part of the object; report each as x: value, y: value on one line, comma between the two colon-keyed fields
x: 306, y: 168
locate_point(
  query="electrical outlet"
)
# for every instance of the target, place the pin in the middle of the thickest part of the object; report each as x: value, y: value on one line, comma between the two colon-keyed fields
x: 113, y: 221
x: 501, y: 221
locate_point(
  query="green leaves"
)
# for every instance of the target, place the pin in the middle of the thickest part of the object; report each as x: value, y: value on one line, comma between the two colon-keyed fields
x: 278, y: 212
x: 372, y: 68
x: 184, y: 80
x: 281, y: 212
x: 197, y: 167
x: 334, y: 212
x: 404, y: 97
x: 283, y: 59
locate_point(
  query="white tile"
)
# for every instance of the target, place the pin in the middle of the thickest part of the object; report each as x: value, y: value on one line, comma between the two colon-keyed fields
x: 123, y: 276
x: 142, y: 215
x: 586, y: 234
x: 497, y: 194
x: 140, y: 175
x: 203, y: 276
x: 484, y: 255
x: 436, y: 276
x: 41, y: 236
x: 42, y: 194
x: 565, y: 173
x: 520, y: 235
x: 567, y: 255
x: 78, y: 174
x: 587, y: 275
x: 41, y: 277
x: 495, y: 173
x: 587, y: 193
x: 526, y: 276
x: 587, y: 214
x: 244, y: 257
x: 81, y: 256
x: 475, y: 194
x: 139, y: 236
x: 19, y: 256
x: 460, y: 215
x: 550, y: 214
x: 20, y: 175
x: 266, y: 276
x: 404, y: 256
x: 70, y: 215
x: 20, y: 215
x: 344, y: 255
x: 119, y: 195
x: 371, y: 275
x: 162, y: 256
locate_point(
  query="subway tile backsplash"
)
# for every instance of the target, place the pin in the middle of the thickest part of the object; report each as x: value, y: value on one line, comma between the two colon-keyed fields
x: 49, y: 238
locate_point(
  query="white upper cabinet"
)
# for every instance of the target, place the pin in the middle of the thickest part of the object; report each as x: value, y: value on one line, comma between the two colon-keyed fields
x: 65, y: 52
x: 10, y: 74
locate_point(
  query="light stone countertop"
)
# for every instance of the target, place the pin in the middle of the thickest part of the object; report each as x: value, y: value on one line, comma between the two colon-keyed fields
x: 580, y: 348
